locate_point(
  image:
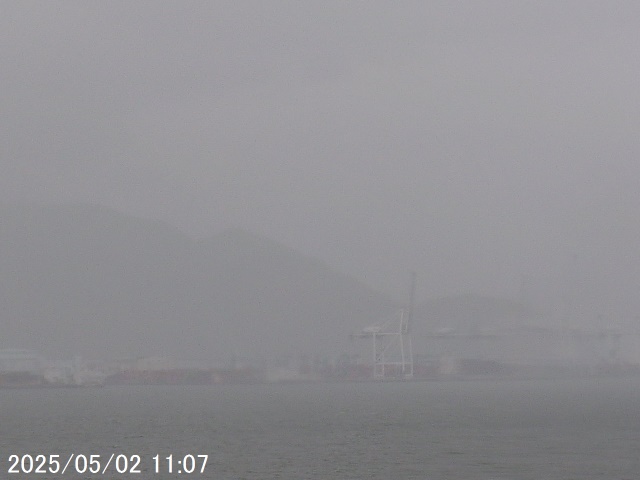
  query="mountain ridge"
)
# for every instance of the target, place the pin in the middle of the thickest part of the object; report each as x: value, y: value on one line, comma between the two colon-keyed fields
x: 88, y: 280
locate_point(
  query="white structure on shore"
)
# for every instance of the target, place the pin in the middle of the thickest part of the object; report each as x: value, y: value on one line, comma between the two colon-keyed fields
x: 392, y: 350
x: 391, y: 341
x: 14, y: 360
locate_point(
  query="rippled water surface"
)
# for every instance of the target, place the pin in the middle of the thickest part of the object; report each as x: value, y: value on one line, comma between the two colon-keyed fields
x: 582, y: 428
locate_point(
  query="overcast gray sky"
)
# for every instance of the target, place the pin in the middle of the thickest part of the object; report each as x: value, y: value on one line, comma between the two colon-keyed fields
x: 478, y: 143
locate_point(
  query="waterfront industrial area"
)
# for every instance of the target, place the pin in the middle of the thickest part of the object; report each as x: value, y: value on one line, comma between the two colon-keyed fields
x: 151, y: 306
x: 380, y: 353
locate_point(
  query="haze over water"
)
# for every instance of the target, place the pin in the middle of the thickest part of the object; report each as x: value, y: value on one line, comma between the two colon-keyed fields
x: 557, y: 429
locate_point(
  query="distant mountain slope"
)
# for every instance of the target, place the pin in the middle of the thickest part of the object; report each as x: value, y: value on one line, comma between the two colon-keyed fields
x: 472, y: 314
x: 88, y: 280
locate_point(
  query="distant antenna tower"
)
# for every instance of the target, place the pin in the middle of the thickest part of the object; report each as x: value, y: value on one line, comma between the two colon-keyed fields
x: 391, y: 341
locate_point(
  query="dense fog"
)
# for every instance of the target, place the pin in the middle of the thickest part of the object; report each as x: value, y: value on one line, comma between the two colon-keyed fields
x: 491, y: 147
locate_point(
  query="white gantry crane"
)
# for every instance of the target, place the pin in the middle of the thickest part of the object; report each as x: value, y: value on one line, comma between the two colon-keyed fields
x: 391, y: 342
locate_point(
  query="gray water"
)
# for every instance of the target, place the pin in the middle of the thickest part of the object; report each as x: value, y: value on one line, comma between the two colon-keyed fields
x: 557, y: 429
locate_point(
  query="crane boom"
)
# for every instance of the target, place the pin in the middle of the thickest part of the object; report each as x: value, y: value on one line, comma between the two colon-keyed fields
x: 412, y: 295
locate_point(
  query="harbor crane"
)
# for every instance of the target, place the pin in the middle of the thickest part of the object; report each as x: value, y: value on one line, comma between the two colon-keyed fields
x: 392, y: 350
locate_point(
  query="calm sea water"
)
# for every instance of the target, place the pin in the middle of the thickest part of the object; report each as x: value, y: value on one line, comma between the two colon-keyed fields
x: 560, y: 429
